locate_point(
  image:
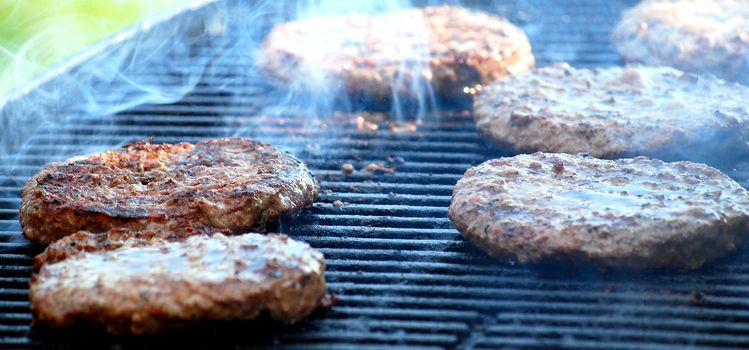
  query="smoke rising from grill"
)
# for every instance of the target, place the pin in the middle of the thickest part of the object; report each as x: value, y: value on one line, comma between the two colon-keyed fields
x: 311, y: 89
x: 118, y: 73
x: 114, y: 75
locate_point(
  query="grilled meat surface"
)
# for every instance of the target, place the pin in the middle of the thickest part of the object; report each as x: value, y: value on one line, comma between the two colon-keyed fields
x: 453, y: 50
x: 87, y: 242
x: 160, y: 286
x: 700, y: 36
x: 635, y: 213
x: 231, y: 183
x: 612, y: 112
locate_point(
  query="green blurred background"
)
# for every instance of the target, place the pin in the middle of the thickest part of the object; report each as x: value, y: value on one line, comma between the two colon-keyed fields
x: 37, y: 34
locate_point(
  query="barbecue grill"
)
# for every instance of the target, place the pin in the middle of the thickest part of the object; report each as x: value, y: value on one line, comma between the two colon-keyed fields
x: 403, y: 276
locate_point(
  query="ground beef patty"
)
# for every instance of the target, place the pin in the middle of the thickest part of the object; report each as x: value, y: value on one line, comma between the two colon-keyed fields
x: 611, y: 112
x: 701, y: 36
x: 231, y: 183
x: 166, y: 285
x: 455, y: 50
x: 637, y: 213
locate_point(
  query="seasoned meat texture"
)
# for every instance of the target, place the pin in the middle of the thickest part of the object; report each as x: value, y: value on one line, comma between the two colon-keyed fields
x: 700, y: 36
x: 631, y: 213
x: 166, y: 285
x: 87, y: 242
x: 232, y: 183
x: 453, y: 50
x: 658, y: 112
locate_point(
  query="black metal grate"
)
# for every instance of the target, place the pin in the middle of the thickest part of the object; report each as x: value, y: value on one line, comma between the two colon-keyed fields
x: 403, y: 275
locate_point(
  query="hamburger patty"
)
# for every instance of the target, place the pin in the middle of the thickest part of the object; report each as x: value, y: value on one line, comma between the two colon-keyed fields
x: 455, y: 50
x: 232, y: 183
x: 611, y: 112
x: 166, y: 285
x: 701, y: 36
x: 638, y: 213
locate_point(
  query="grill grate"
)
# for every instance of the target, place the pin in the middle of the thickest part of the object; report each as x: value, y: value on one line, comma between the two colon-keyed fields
x: 403, y: 275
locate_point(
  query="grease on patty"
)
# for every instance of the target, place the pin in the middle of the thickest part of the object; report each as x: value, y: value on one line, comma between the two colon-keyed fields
x: 638, y: 213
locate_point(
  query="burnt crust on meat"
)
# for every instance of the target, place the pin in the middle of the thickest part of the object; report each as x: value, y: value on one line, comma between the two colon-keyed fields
x: 231, y: 183
x: 454, y: 49
x: 700, y: 36
x: 626, y: 213
x: 616, y: 112
x: 167, y: 285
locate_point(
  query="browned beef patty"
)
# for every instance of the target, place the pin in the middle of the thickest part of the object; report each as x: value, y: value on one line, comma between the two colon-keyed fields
x: 454, y: 49
x: 232, y: 183
x: 166, y: 285
x: 612, y: 112
x: 638, y: 213
x: 700, y: 36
